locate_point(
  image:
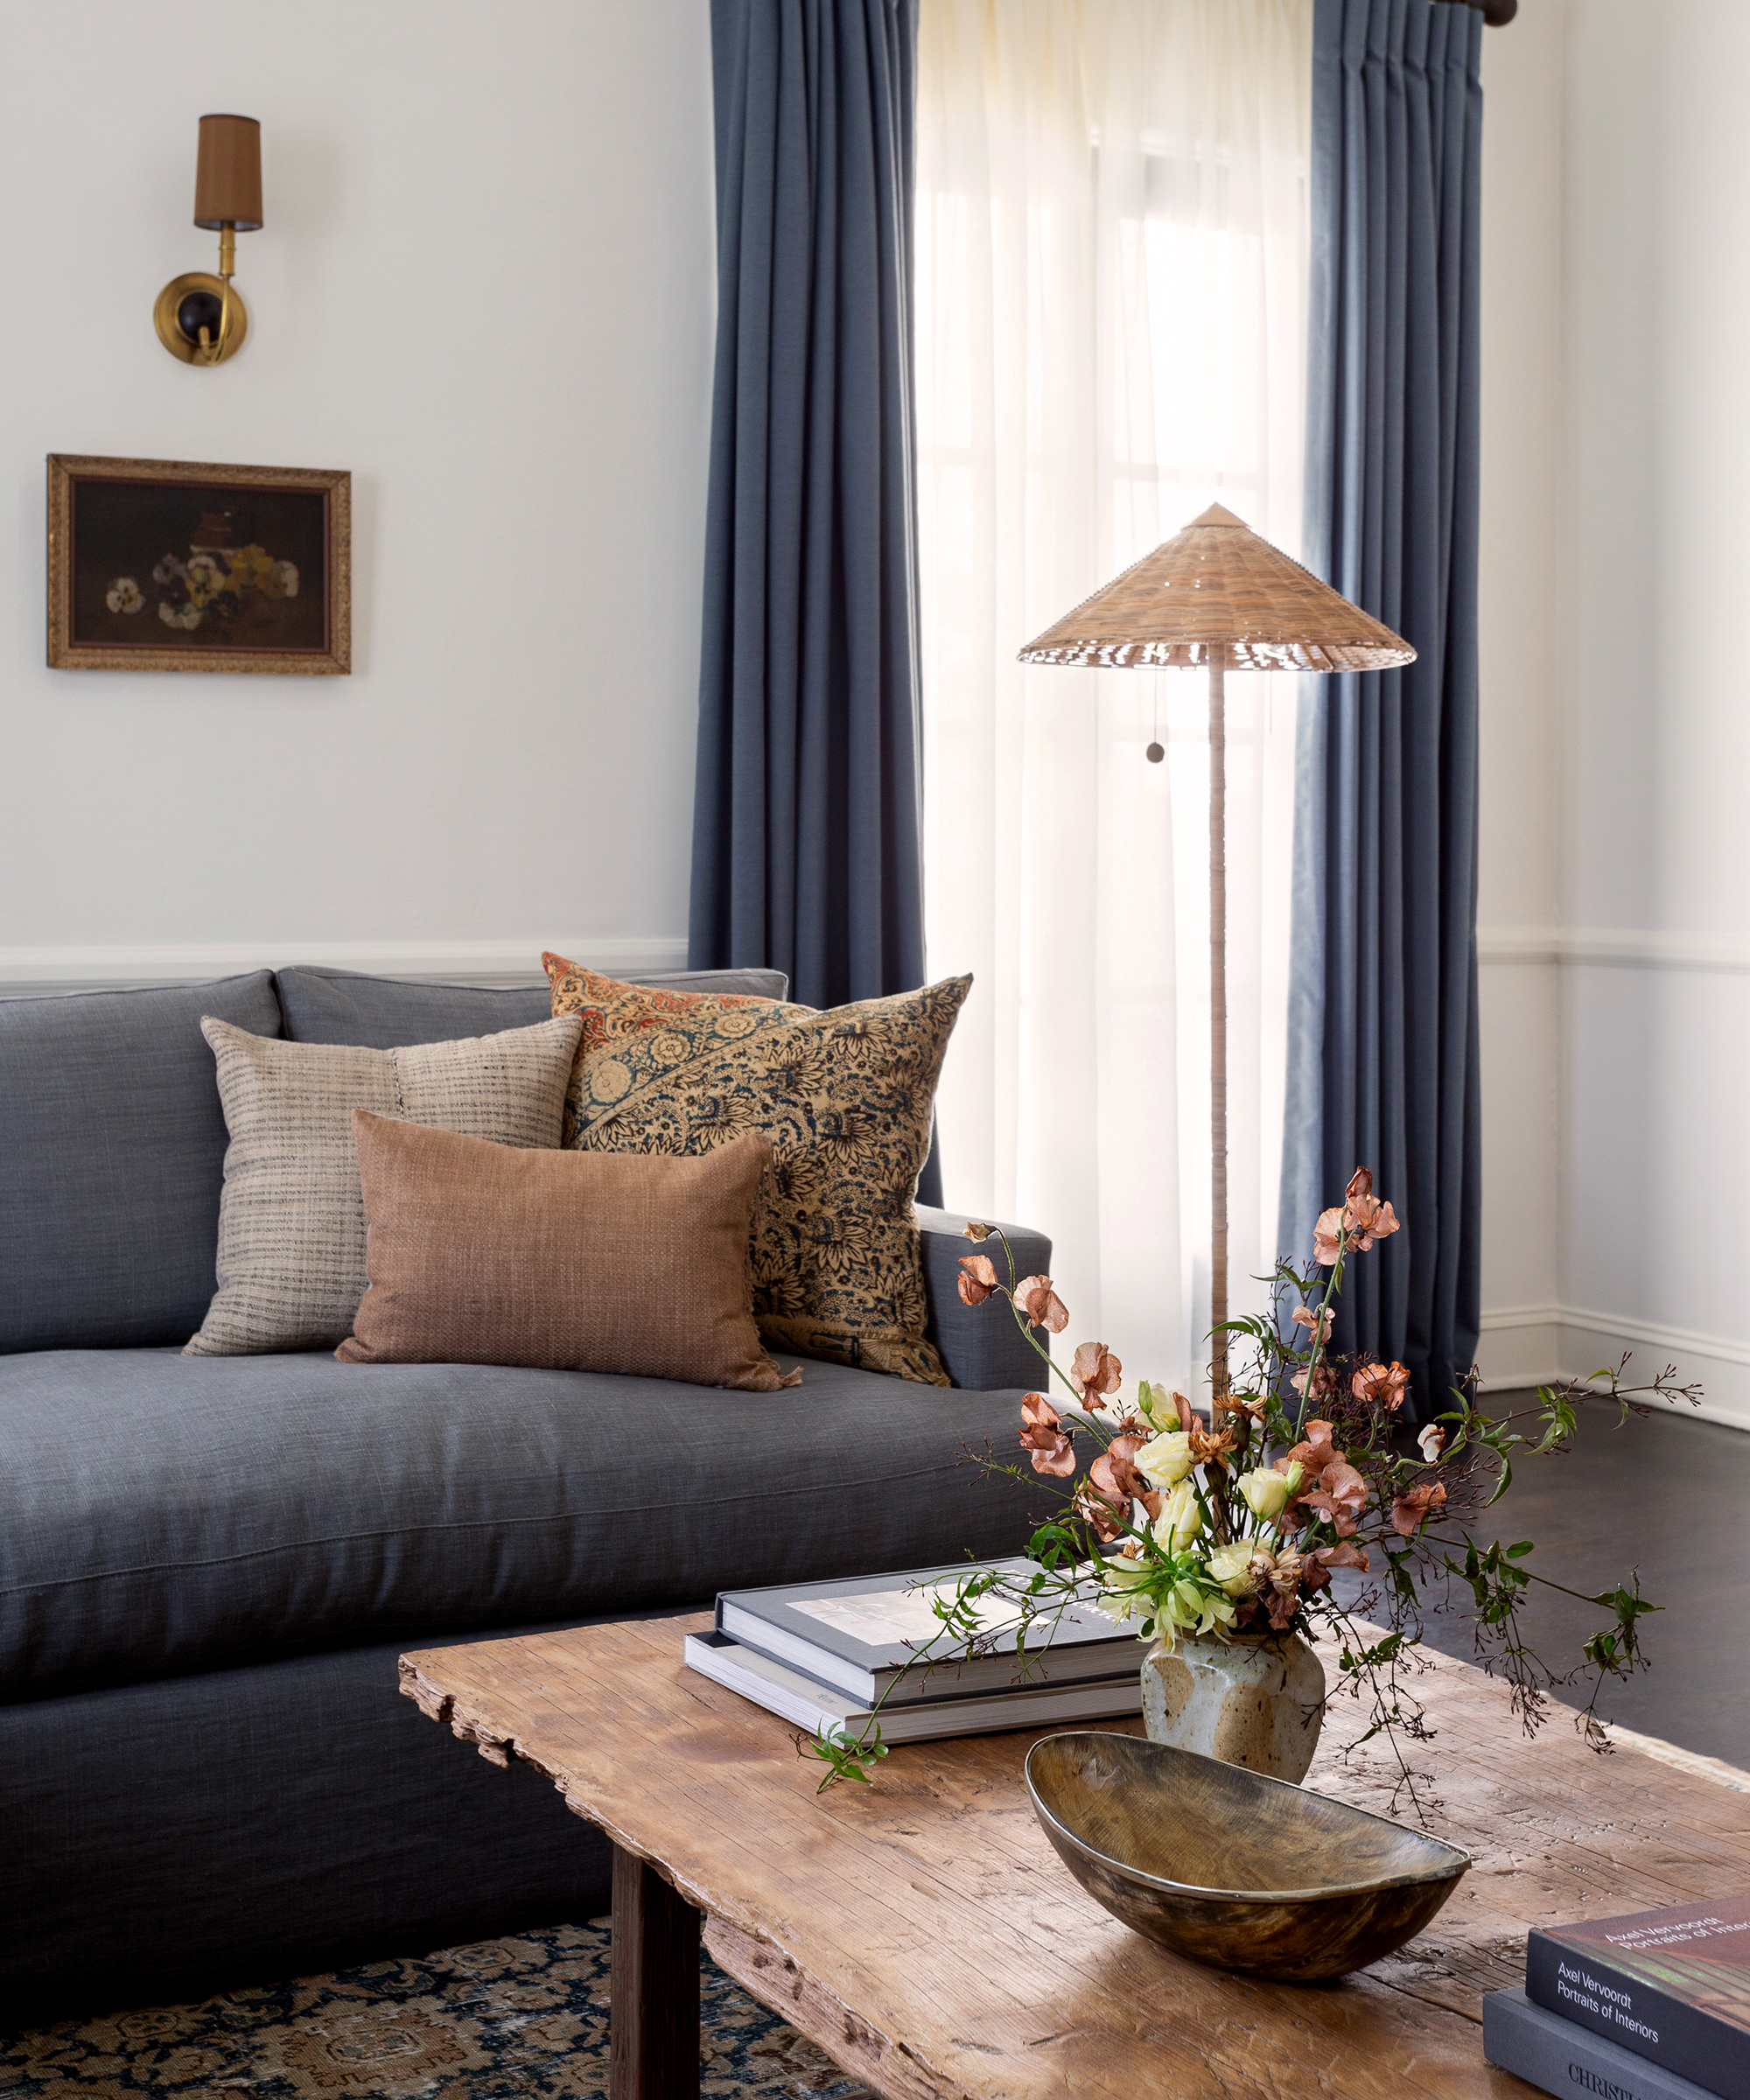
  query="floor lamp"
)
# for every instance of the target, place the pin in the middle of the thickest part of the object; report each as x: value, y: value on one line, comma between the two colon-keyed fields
x: 1216, y: 596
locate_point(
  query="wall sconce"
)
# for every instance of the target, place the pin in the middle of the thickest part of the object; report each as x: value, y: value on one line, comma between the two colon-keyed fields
x: 199, y: 318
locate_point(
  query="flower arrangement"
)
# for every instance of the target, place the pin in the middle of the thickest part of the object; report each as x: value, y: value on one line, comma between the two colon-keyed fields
x: 212, y: 584
x: 1236, y: 1525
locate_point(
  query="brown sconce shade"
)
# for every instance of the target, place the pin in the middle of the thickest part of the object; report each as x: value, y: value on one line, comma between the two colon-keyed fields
x: 227, y: 176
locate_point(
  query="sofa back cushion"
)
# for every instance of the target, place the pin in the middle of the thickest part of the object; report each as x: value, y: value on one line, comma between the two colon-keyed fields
x: 113, y: 1145
x: 390, y: 1013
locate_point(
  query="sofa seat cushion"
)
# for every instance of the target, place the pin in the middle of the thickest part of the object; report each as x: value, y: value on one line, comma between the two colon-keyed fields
x: 162, y: 1513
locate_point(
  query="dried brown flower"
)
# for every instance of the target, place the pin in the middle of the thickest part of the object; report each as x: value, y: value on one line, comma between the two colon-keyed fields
x: 1210, y: 1446
x: 1094, y: 1369
x: 1115, y: 1466
x: 1362, y: 1219
x: 975, y: 1231
x: 1044, y: 1437
x: 1381, y: 1384
x: 1098, y: 1505
x: 1315, y: 1452
x: 1411, y: 1510
x: 978, y: 1278
x: 1040, y: 1304
x: 1341, y: 1495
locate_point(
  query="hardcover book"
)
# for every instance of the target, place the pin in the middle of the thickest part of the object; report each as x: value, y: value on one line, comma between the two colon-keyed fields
x: 1671, y: 1986
x: 860, y: 1633
x: 822, y: 1711
x: 1561, y: 2058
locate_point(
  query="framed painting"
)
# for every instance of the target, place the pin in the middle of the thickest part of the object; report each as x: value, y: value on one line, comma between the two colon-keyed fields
x: 163, y: 565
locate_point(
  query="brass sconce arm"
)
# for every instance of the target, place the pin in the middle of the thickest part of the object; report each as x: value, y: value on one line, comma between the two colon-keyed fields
x: 213, y: 351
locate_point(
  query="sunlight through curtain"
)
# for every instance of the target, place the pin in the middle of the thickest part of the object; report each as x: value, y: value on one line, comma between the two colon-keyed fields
x: 1111, y: 297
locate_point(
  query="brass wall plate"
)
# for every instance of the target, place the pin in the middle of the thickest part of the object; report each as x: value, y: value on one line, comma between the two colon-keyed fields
x: 164, y: 316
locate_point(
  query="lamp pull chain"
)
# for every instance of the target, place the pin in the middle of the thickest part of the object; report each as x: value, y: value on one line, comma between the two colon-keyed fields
x: 1218, y: 1032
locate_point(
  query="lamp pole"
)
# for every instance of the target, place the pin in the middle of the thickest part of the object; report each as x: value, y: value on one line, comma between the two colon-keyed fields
x: 1218, y: 1029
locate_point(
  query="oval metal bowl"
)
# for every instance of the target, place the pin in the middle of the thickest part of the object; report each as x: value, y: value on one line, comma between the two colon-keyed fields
x: 1232, y: 1868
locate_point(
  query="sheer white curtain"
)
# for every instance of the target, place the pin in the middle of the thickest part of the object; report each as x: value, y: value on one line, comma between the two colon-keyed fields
x: 1111, y: 287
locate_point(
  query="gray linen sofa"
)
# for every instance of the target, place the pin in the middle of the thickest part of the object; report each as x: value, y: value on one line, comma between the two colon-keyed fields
x: 208, y: 1565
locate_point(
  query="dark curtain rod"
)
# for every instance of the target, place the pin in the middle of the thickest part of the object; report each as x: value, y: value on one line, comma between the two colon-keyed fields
x: 1495, y: 13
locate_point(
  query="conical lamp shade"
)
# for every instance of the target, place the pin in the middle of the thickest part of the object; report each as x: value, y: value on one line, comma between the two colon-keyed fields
x: 1217, y: 585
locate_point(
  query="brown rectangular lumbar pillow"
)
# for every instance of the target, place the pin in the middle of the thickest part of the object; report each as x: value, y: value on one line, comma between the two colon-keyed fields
x: 480, y: 1253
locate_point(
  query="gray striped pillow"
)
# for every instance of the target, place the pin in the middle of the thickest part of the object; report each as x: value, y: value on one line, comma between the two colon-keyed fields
x: 292, y: 1220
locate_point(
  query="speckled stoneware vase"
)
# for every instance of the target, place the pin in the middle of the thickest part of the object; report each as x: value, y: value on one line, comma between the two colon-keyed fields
x: 1255, y: 1699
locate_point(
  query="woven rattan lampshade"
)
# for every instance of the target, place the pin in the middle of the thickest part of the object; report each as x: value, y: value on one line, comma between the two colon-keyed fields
x: 1217, y: 585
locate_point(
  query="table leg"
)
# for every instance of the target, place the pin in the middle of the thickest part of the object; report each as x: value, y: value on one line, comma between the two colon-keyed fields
x: 654, y: 1999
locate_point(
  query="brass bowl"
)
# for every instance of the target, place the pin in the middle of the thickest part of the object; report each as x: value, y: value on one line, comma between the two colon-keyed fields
x: 1230, y: 1867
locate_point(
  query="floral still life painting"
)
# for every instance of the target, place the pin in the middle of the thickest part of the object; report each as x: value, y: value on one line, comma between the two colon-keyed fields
x: 1297, y: 1507
x: 155, y: 565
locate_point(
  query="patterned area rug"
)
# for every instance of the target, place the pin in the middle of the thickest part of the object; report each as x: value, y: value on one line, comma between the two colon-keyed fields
x: 503, y: 2018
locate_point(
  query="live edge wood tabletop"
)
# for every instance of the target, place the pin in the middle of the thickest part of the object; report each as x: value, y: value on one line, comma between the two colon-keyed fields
x: 922, y: 1932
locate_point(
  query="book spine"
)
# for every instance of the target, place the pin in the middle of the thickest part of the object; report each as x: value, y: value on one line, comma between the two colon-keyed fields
x: 1563, y: 2058
x: 1608, y: 2001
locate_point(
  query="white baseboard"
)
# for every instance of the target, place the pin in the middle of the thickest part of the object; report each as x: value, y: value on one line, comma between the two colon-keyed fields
x: 1539, y: 1345
x: 38, y: 969
x: 1520, y: 1345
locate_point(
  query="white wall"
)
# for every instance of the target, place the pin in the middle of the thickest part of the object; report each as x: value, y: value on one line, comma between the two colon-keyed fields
x: 1519, y: 883
x: 486, y: 285
x: 1623, y: 121
x: 1655, y: 1157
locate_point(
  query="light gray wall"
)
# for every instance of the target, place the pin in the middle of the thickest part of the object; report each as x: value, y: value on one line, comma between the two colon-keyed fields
x: 485, y: 285
x: 1634, y: 676
x: 1520, y: 872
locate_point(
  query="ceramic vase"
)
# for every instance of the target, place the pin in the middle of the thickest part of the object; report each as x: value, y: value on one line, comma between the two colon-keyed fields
x: 1254, y: 1699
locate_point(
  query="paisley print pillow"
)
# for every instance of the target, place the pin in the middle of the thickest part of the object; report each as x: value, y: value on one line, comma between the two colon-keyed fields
x: 610, y: 1008
x: 845, y: 1098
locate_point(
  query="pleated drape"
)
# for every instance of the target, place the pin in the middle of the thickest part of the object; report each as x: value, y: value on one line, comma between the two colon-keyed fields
x: 1384, y: 1066
x: 806, y: 852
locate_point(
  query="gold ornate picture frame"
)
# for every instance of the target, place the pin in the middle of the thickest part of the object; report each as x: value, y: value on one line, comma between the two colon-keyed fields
x: 171, y: 565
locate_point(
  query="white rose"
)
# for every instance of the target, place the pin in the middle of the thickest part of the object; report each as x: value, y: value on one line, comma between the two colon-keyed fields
x: 1266, y: 1491
x: 1231, y: 1566
x: 1166, y: 1459
x: 1179, y: 1521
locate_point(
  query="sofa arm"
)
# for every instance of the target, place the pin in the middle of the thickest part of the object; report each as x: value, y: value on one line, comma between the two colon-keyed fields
x: 982, y: 1347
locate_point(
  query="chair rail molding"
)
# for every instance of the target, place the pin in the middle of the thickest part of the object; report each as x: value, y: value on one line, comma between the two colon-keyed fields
x: 23, y: 970
x: 1612, y: 947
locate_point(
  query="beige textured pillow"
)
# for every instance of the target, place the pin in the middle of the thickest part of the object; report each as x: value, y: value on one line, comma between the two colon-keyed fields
x: 292, y: 1220
x: 559, y: 1260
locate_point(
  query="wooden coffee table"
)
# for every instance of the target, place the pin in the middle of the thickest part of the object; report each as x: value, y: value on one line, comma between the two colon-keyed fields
x: 923, y: 1933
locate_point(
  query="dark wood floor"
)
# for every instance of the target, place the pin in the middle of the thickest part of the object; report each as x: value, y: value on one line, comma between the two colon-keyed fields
x: 1671, y: 1497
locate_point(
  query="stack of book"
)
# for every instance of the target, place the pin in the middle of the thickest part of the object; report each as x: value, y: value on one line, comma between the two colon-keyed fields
x: 822, y: 1654
x: 1651, y: 2007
